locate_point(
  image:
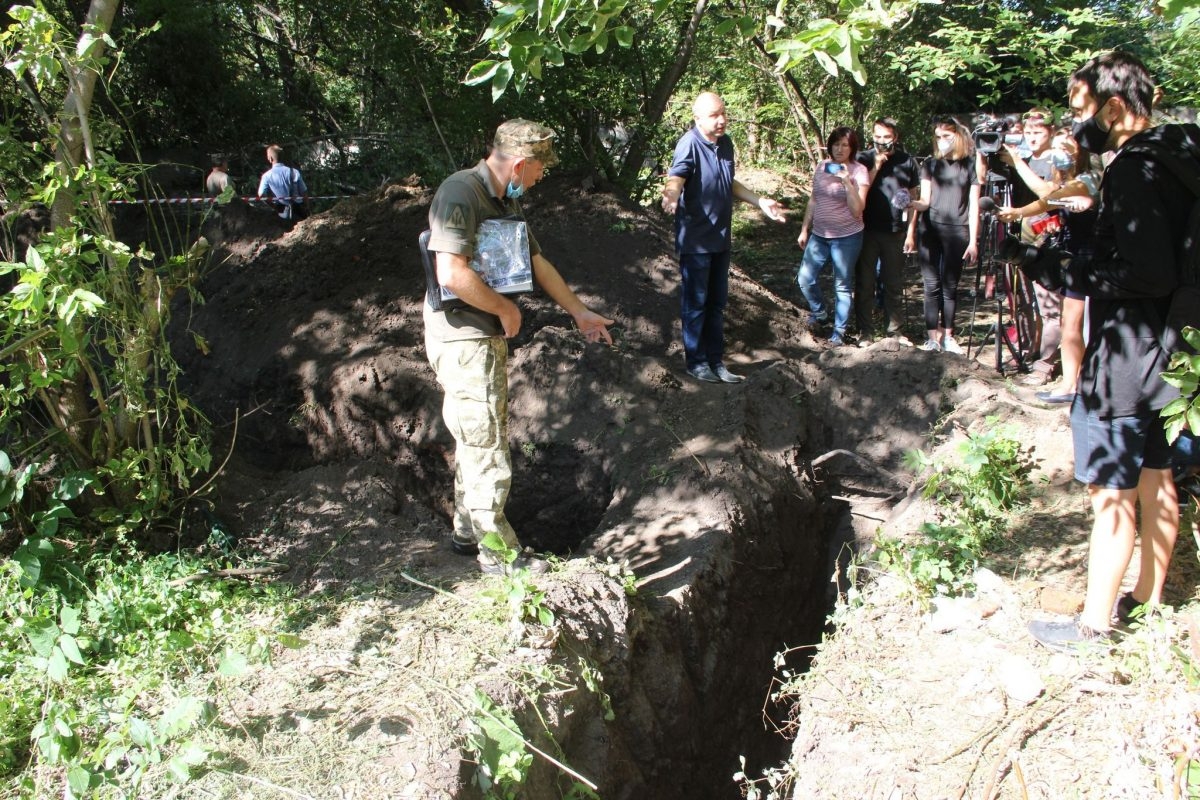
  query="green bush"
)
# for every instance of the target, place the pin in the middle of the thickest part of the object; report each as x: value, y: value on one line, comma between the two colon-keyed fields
x: 979, y: 493
x: 96, y: 650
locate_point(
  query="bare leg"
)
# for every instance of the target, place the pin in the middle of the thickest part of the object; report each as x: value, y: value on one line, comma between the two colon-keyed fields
x: 1072, y: 342
x: 1160, y: 528
x: 1109, y: 551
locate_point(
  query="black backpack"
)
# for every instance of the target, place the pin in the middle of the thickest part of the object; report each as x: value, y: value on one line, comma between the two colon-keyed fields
x: 1184, y: 310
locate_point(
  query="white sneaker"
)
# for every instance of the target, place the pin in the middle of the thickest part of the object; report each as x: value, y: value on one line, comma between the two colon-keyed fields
x: 951, y: 346
x: 930, y: 346
x: 903, y: 340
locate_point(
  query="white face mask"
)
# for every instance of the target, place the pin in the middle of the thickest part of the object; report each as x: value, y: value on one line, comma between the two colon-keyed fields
x: 945, y: 146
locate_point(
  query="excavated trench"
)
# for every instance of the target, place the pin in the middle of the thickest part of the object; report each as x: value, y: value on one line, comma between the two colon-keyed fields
x: 706, y: 492
x: 693, y: 694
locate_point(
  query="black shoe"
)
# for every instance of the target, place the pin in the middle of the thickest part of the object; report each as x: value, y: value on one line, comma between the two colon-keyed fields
x: 527, y: 561
x: 722, y: 372
x: 1128, y: 610
x: 703, y: 372
x: 1051, y: 397
x: 1067, y: 637
x: 460, y: 544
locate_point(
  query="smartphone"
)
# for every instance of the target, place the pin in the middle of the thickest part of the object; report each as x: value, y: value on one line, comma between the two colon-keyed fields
x: 833, y: 168
x: 1058, y: 203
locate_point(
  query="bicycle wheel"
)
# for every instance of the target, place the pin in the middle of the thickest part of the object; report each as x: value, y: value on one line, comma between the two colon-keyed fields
x: 1022, y: 308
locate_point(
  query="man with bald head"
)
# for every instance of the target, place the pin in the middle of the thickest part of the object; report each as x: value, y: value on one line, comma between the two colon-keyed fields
x: 700, y: 191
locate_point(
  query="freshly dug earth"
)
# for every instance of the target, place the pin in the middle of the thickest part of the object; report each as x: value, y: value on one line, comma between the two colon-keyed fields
x: 313, y: 372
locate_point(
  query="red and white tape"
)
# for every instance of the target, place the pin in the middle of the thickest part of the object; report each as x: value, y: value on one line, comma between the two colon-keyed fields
x: 247, y: 198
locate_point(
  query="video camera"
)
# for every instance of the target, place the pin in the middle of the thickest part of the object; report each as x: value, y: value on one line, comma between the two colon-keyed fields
x: 992, y: 133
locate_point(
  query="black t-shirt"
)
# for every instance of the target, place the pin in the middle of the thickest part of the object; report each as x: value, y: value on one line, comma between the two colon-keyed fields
x: 1022, y: 195
x: 900, y: 171
x: 1128, y: 277
x: 951, y: 183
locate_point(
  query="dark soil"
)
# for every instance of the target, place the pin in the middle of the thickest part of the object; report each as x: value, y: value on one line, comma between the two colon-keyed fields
x: 313, y: 373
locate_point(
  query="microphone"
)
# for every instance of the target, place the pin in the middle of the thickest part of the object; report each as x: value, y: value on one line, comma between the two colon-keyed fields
x: 987, y: 205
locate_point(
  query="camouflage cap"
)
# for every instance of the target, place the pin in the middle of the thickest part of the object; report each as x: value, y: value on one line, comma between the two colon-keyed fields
x: 520, y: 137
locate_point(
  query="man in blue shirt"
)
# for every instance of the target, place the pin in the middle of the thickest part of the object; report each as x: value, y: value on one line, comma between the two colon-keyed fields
x: 285, y: 183
x: 700, y: 191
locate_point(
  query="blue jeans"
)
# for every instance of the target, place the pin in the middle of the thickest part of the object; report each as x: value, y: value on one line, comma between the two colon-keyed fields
x: 703, y: 294
x: 843, y: 252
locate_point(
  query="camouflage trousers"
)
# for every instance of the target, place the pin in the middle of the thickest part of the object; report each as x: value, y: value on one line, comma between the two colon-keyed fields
x: 474, y: 375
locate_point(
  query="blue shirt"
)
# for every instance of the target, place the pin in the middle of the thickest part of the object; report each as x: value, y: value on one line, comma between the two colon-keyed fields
x: 282, y: 181
x: 704, y: 217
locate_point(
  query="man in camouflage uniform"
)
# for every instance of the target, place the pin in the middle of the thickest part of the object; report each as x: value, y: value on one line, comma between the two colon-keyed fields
x: 467, y: 347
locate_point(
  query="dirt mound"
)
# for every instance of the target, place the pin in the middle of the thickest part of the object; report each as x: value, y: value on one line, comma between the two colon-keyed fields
x: 313, y: 370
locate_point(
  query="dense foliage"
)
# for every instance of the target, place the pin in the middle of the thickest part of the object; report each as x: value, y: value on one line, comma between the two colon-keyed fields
x: 97, y: 445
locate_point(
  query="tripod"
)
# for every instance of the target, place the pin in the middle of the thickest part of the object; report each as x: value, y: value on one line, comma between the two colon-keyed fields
x: 1006, y: 284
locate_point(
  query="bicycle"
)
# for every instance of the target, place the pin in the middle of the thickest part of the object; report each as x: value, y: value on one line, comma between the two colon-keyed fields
x: 1005, y: 283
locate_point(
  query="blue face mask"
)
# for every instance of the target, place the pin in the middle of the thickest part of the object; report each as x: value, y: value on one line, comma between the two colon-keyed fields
x: 514, y: 192
x: 1060, y: 159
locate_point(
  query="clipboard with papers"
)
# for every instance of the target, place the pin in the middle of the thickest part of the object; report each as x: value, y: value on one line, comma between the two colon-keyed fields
x: 501, y: 259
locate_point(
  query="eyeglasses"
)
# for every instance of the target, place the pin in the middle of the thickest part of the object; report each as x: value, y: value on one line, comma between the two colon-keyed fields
x: 1036, y: 117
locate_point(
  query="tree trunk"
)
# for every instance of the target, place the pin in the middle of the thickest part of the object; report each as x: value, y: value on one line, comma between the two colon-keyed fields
x: 799, y: 105
x: 69, y: 404
x: 657, y: 107
x: 74, y: 140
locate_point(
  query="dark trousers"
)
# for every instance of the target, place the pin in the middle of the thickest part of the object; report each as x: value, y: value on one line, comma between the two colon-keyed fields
x: 703, y: 294
x: 941, y: 249
x: 886, y: 248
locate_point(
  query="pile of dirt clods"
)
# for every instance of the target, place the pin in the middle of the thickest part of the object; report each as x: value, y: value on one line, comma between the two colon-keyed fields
x: 313, y: 372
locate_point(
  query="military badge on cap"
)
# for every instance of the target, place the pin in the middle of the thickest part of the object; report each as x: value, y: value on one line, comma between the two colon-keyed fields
x: 520, y: 137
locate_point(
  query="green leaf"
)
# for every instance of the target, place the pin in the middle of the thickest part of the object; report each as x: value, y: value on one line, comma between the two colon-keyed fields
x: 79, y: 779
x: 579, y: 43
x: 481, y: 71
x: 826, y: 61
x: 233, y: 664
x: 56, y: 666
x: 291, y: 641
x: 500, y: 80
x: 191, y: 755
x: 524, y: 39
x: 181, y: 717
x: 140, y: 732
x: 43, y: 635
x: 32, y: 555
x: 1192, y: 337
x: 73, y: 485
x: 1173, y: 427
x: 68, y: 618
x: 1193, y: 419
x: 623, y: 35
x: 1176, y: 406
x: 70, y: 649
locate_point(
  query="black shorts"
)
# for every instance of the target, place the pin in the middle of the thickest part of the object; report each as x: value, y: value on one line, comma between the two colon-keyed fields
x: 1112, y: 452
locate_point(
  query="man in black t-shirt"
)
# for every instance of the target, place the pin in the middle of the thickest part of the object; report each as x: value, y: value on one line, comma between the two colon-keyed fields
x: 894, y: 173
x: 1121, y: 449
